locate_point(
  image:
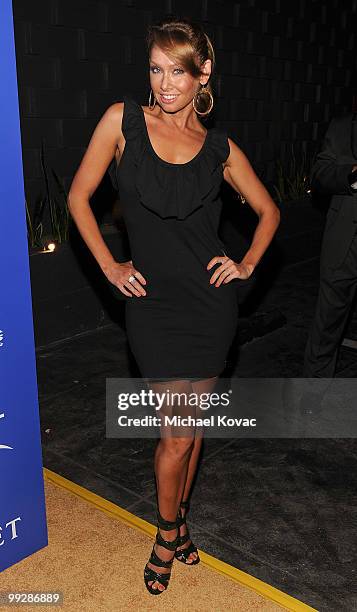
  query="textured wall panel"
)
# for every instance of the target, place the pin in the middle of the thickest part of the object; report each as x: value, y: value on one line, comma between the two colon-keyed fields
x: 283, y: 70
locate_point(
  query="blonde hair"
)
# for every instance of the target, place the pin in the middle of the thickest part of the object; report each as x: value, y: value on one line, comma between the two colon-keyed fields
x: 187, y: 44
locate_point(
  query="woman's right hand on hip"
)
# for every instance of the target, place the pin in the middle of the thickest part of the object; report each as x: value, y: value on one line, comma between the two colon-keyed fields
x: 119, y: 273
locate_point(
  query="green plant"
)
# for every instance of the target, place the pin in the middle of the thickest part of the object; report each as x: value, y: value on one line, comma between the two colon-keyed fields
x: 34, y: 230
x: 293, y: 176
x: 59, y: 212
x: 56, y: 199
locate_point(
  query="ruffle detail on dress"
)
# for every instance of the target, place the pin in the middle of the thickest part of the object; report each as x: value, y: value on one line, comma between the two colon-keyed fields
x: 173, y: 190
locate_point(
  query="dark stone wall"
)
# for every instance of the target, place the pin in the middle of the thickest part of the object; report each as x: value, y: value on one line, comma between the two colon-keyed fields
x: 283, y: 70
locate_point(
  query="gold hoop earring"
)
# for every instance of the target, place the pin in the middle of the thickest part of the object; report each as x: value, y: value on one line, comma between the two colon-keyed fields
x: 203, y: 91
x: 153, y: 106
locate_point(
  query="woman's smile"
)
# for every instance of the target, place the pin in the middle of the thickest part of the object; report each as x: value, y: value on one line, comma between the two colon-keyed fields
x: 168, y: 98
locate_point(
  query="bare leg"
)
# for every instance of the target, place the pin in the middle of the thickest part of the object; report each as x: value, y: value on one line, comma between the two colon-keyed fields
x: 200, y: 387
x: 171, y: 463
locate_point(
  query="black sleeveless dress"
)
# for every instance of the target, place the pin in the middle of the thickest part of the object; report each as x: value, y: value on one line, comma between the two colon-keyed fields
x: 183, y: 327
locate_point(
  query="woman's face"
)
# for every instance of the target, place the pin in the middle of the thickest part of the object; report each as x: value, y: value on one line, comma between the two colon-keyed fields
x: 172, y: 86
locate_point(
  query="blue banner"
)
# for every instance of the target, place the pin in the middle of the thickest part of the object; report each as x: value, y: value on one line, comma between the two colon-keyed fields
x: 23, y: 528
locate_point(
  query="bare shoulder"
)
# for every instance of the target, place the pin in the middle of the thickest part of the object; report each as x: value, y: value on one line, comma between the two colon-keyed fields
x: 105, y: 143
x: 114, y: 115
x: 116, y: 109
x: 113, y: 118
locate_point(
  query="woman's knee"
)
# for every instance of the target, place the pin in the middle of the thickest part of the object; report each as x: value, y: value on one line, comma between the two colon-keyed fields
x: 179, y: 447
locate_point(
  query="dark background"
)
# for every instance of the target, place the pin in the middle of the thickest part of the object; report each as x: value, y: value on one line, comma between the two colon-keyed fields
x: 283, y: 70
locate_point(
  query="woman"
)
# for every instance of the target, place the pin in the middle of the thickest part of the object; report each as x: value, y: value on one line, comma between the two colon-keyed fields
x: 181, y: 311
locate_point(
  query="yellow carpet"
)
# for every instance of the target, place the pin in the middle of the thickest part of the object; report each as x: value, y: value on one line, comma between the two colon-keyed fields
x: 96, y: 555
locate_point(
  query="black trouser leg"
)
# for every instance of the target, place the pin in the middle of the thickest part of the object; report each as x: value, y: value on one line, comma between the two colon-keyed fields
x: 336, y: 292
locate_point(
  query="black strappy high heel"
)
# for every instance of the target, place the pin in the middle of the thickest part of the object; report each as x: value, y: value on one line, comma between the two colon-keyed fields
x: 151, y: 574
x: 183, y: 554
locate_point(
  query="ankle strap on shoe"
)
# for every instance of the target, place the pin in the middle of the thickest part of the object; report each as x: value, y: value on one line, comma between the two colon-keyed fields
x: 169, y: 544
x: 164, y: 524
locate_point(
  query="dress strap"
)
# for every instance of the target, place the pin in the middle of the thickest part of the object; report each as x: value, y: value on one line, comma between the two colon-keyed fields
x: 132, y: 127
x: 131, y: 122
x: 219, y: 148
x: 132, y: 131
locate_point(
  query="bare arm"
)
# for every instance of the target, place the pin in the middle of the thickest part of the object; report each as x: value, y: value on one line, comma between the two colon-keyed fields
x: 239, y: 173
x: 100, y: 152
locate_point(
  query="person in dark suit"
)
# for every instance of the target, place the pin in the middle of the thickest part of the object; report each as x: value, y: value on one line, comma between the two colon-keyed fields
x: 334, y: 173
